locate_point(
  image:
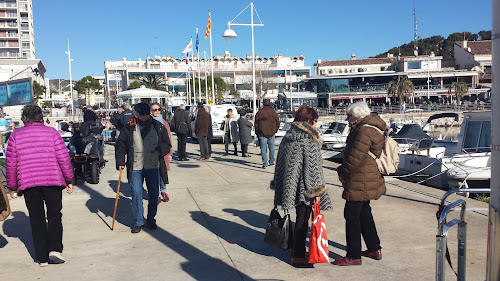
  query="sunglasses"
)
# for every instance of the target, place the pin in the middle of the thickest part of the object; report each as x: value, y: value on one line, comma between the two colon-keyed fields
x: 155, y: 109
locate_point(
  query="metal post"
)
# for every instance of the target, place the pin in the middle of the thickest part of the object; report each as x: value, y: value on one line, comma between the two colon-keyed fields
x: 493, y: 255
x: 440, y: 256
x: 462, y: 243
x: 253, y: 63
x: 71, y: 84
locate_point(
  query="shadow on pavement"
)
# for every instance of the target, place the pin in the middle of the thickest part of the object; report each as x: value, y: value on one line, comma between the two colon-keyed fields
x: 3, y: 241
x: 410, y: 199
x: 199, y: 265
x: 19, y: 226
x: 234, y: 233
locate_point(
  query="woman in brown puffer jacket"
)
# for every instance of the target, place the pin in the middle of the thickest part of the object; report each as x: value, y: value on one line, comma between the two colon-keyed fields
x: 362, y: 182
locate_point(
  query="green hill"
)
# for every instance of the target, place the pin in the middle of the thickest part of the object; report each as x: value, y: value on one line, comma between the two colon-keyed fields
x: 437, y: 44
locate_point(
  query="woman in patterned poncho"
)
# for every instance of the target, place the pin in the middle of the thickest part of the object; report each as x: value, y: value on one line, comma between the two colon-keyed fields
x: 298, y: 176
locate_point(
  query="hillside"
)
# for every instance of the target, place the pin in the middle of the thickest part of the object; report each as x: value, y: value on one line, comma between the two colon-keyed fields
x: 437, y: 44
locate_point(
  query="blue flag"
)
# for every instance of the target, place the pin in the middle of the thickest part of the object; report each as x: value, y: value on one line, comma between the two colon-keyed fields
x: 197, y: 42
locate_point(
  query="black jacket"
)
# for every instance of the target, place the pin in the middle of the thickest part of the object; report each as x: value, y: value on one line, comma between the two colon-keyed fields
x: 125, y: 146
x: 180, y: 115
x: 125, y: 116
x: 89, y: 115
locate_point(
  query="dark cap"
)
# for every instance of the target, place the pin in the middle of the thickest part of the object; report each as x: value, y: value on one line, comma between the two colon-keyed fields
x: 142, y: 108
x: 200, y: 105
x: 267, y: 102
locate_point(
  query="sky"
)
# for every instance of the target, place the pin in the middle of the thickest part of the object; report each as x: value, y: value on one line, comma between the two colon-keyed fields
x: 328, y: 29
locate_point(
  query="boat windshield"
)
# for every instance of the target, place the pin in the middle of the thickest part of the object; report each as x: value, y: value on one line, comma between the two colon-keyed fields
x: 477, y: 136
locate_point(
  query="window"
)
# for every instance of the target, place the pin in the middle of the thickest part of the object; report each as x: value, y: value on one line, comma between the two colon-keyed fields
x: 11, y: 14
x: 414, y: 65
x: 25, y: 26
x: 3, y: 43
x: 25, y: 45
x: 477, y: 136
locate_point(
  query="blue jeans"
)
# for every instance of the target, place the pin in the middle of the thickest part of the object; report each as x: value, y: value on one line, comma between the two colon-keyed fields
x: 266, y: 142
x: 138, y: 176
x: 163, y: 187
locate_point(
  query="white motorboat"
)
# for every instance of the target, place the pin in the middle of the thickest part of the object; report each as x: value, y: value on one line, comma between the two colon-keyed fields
x: 429, y: 160
x: 334, y: 140
x: 476, y: 171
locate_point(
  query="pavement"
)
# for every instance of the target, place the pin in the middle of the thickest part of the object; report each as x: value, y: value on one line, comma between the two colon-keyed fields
x: 214, y: 225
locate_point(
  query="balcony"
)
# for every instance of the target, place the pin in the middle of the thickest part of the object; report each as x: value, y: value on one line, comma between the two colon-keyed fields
x: 9, y: 35
x: 9, y: 54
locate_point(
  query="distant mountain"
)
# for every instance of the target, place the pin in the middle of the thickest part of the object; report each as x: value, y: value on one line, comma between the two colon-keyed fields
x: 437, y: 44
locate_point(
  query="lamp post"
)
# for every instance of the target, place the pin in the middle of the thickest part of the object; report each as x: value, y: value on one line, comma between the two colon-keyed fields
x: 71, y: 83
x: 291, y: 100
x: 230, y: 35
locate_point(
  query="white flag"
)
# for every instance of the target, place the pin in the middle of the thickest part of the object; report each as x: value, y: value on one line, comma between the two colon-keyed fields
x: 189, y: 48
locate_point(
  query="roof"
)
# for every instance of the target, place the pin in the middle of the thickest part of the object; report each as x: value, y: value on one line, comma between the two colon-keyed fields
x: 357, y: 62
x: 477, y: 47
x: 143, y: 92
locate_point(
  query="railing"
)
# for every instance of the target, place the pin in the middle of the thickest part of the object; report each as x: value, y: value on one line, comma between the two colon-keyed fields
x: 444, y: 227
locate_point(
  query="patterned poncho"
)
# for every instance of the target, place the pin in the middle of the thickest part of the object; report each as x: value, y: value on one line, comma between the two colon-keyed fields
x: 298, y: 176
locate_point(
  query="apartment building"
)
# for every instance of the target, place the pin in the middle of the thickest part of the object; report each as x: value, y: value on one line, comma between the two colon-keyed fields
x: 17, y: 39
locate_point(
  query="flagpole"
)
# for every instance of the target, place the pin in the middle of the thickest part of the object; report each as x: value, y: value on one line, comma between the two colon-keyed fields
x: 206, y: 82
x: 198, y: 65
x: 211, y: 59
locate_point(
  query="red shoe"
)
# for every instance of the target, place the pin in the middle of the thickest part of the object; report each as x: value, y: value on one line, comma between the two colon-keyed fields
x: 159, y: 200
x: 165, y: 197
x: 347, y: 261
x: 377, y: 255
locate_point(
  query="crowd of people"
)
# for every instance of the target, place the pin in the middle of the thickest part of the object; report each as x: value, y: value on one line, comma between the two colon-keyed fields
x: 144, y: 150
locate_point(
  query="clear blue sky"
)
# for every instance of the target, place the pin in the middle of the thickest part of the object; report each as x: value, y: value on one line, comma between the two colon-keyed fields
x: 328, y: 29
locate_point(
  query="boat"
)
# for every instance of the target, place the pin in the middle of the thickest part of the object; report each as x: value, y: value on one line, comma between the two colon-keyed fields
x: 334, y: 140
x: 429, y: 160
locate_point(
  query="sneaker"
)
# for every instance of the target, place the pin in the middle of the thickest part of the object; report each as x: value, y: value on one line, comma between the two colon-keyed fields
x: 43, y: 264
x: 137, y: 228
x: 264, y: 166
x: 271, y: 164
x: 235, y: 153
x: 159, y: 200
x: 56, y: 257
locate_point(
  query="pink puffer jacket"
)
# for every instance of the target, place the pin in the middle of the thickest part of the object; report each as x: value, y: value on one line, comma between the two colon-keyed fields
x: 37, y: 156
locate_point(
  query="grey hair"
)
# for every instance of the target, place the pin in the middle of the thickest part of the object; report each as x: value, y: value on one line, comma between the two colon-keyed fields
x: 358, y: 110
x: 207, y: 108
x: 183, y: 106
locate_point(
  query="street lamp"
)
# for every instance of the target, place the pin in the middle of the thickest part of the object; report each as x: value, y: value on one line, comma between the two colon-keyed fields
x: 230, y: 35
x: 71, y: 83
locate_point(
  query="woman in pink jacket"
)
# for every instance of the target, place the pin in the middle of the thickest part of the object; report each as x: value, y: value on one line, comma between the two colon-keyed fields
x: 38, y: 167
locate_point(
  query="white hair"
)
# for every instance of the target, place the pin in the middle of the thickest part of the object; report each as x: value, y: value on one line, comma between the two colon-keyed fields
x: 358, y: 110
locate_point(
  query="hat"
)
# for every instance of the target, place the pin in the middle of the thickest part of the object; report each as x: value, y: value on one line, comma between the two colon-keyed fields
x: 142, y: 108
x: 267, y: 102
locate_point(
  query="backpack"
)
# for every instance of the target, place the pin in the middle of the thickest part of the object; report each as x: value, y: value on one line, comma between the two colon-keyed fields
x: 389, y: 159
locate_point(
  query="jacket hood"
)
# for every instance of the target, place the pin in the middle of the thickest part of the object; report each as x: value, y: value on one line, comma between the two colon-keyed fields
x: 302, y: 130
x: 374, y: 120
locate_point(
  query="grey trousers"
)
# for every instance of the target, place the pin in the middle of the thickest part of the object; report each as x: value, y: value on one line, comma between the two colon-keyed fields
x: 203, y: 146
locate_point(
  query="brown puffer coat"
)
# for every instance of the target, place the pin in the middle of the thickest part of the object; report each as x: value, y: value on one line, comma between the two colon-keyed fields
x: 363, y: 180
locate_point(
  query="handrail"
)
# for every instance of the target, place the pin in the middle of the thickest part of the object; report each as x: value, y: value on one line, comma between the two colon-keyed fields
x: 456, y: 190
x: 442, y: 218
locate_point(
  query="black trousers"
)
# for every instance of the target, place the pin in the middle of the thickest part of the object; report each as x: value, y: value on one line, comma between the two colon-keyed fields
x: 300, y: 231
x: 209, y: 142
x: 227, y: 141
x: 244, y: 149
x: 359, y: 221
x: 46, y: 236
x: 181, y: 146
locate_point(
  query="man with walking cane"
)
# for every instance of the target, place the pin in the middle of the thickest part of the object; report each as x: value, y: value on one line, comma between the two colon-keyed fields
x: 144, y: 141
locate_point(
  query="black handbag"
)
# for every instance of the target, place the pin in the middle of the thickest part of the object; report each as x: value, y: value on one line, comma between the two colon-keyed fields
x: 279, y: 231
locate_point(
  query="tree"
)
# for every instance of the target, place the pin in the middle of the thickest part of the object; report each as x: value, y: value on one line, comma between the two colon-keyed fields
x: 38, y: 91
x: 134, y: 85
x: 401, y: 88
x: 153, y: 82
x: 461, y: 89
x: 87, y: 85
x: 485, y: 34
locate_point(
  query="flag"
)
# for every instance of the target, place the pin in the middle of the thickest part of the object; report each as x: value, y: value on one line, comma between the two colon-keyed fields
x: 197, y: 42
x: 209, y: 25
x: 188, y: 49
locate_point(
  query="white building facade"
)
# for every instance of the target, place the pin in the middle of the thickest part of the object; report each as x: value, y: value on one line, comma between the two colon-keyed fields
x: 17, y: 39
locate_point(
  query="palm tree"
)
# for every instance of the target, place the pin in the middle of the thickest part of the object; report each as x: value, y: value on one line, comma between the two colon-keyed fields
x: 401, y: 88
x: 461, y: 89
x: 153, y: 82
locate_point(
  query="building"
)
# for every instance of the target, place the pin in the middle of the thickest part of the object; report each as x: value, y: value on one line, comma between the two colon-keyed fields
x: 368, y: 79
x: 272, y: 74
x: 475, y: 54
x: 17, y: 39
x: 98, y: 98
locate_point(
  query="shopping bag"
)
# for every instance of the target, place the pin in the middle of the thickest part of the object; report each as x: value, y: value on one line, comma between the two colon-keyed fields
x: 318, y: 242
x: 279, y: 232
x: 4, y: 204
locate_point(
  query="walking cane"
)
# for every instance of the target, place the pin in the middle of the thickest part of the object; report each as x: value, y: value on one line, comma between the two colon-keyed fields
x: 116, y: 200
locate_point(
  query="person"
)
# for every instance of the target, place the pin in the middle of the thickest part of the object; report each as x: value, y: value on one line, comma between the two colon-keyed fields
x: 231, y: 135
x: 267, y: 124
x: 126, y: 115
x: 245, y: 128
x: 157, y: 115
x: 38, y: 167
x: 144, y: 142
x: 298, y: 176
x: 180, y: 124
x: 362, y: 182
x: 116, y: 120
x: 210, y: 135
x: 89, y: 115
x: 201, y: 131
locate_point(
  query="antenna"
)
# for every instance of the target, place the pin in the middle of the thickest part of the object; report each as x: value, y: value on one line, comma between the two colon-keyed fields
x: 157, y: 45
x: 415, y: 35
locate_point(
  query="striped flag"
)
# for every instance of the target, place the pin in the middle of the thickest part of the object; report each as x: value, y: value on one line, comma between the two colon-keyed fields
x: 209, y: 25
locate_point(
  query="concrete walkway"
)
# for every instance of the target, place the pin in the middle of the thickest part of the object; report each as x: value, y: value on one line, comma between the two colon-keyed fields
x: 213, y: 229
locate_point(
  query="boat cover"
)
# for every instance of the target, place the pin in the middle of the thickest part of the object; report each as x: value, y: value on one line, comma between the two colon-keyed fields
x: 411, y: 131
